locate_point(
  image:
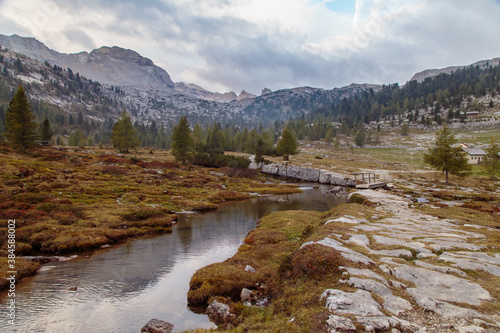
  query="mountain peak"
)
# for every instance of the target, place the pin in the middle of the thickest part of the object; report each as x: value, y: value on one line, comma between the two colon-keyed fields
x: 109, y: 65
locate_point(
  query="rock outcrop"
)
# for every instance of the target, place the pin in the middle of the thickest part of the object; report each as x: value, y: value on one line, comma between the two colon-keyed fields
x: 157, y: 326
x: 219, y: 313
x: 448, y: 292
x: 307, y: 174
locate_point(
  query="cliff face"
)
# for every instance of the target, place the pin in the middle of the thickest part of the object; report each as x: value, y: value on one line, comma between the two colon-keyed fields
x: 107, y: 65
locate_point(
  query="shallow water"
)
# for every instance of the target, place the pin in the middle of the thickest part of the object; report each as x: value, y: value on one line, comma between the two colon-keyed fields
x: 121, y: 288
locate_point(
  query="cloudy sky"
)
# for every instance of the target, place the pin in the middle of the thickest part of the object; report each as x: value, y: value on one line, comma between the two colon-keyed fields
x: 227, y: 45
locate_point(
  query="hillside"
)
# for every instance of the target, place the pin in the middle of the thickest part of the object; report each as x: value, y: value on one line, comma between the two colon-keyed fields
x: 148, y: 92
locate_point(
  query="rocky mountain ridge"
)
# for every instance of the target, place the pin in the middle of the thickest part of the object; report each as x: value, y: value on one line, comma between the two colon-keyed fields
x: 421, y: 76
x: 147, y: 92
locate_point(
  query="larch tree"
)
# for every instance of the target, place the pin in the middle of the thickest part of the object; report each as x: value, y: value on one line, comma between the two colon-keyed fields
x: 287, y: 145
x: 20, y: 125
x: 124, y: 135
x: 491, y: 162
x: 444, y: 155
x: 182, y: 145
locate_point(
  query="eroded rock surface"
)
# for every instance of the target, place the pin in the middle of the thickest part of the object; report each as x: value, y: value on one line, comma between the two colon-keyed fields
x: 441, y: 281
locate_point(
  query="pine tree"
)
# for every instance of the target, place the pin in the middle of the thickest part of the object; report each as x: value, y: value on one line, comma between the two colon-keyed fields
x: 20, y: 123
x: 287, y: 145
x: 124, y: 135
x: 405, y: 129
x: 46, y: 131
x: 491, y: 161
x: 445, y: 156
x: 182, y: 141
x: 360, y: 137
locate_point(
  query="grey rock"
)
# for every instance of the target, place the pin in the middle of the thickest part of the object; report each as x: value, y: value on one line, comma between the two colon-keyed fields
x: 371, y: 324
x: 448, y: 310
x: 398, y: 284
x: 308, y: 174
x: 366, y: 273
x: 343, y: 324
x: 349, y: 220
x: 393, y: 253
x: 442, y: 269
x: 219, y: 313
x: 426, y: 255
x: 246, y: 294
x: 249, y: 269
x: 359, y: 303
x: 347, y: 253
x: 469, y: 329
x: 439, y: 286
x: 157, y: 326
x: 476, y: 261
x: 361, y: 240
x: 393, y: 304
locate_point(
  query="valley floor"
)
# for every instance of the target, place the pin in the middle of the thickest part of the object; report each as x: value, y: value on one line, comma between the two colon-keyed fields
x: 420, y: 257
x: 68, y: 200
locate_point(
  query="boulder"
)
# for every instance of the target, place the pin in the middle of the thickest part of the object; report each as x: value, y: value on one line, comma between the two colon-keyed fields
x: 359, y: 303
x: 246, y: 294
x: 339, y: 323
x: 157, y: 326
x: 219, y: 313
x: 249, y: 269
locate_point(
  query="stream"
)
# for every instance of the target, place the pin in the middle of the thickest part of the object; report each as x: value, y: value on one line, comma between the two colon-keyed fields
x: 119, y: 289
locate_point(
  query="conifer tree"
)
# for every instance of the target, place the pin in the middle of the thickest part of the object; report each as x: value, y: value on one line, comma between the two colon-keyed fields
x: 446, y: 156
x: 287, y: 145
x: 182, y: 141
x: 20, y: 123
x: 124, y: 135
x: 46, y: 131
x: 491, y: 161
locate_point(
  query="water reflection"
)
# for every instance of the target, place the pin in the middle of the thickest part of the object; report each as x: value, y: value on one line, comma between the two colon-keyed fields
x: 121, y: 288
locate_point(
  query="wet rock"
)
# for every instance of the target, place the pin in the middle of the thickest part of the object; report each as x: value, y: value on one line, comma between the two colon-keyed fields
x: 157, y: 326
x: 249, y: 269
x: 246, y: 294
x: 339, y: 323
x: 347, y: 253
x: 359, y: 303
x: 219, y: 313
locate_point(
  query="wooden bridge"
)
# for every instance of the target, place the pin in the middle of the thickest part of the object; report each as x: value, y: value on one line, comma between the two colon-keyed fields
x: 368, y: 181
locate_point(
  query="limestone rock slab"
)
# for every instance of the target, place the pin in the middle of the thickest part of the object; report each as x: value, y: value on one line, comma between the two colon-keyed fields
x: 359, y: 303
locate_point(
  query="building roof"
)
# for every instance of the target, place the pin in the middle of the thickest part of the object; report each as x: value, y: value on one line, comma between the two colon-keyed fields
x: 475, y: 151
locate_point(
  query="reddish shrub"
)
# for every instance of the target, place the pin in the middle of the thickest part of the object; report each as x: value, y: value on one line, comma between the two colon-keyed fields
x: 114, y: 171
x: 25, y: 172
x: 316, y: 260
x: 156, y: 165
x: 114, y: 160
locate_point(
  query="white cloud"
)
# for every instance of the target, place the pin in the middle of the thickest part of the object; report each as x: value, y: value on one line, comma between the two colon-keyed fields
x: 242, y: 44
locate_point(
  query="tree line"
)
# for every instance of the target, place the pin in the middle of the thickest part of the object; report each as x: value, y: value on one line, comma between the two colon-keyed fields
x: 200, y: 145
